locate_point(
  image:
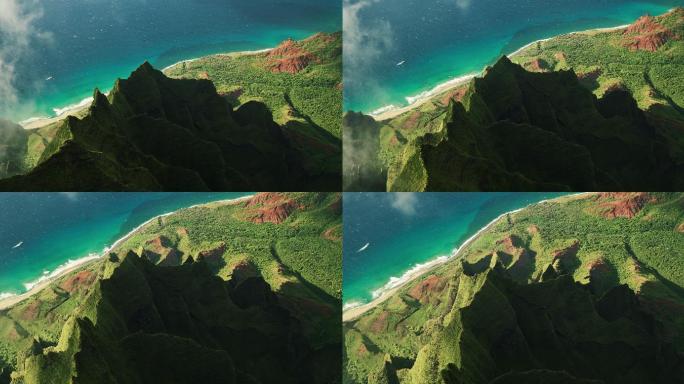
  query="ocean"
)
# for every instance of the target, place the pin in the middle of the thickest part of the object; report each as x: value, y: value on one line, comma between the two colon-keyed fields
x: 398, y: 49
x: 388, y: 234
x: 60, y: 50
x: 43, y: 232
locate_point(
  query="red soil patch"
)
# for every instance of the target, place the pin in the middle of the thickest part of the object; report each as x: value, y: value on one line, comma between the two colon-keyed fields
x: 213, y: 256
x: 244, y: 270
x: 412, y: 120
x: 592, y: 75
x: 455, y: 95
x: 380, y: 323
x: 31, y: 311
x: 270, y: 207
x: 173, y: 258
x: 427, y: 288
x: 533, y: 229
x: 234, y: 94
x: 561, y: 56
x: 330, y: 234
x: 363, y: 350
x: 646, y: 34
x: 182, y: 231
x: 537, y: 65
x: 616, y: 87
x: 289, y: 57
x: 622, y: 204
x: 203, y: 75
x: 564, y: 253
x: 511, y: 244
x: 81, y: 280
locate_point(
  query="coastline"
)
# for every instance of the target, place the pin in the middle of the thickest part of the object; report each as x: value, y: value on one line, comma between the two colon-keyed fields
x: 352, y: 312
x: 8, y: 300
x: 81, y: 106
x: 392, y: 111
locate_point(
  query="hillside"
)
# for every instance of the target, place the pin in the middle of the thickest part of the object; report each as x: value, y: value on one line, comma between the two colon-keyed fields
x: 300, y: 81
x: 644, y: 59
x: 551, y: 124
x: 581, y: 289
x: 219, y: 293
x: 156, y: 133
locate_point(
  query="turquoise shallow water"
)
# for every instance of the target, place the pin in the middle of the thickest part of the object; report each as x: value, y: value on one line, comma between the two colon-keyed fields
x: 55, y: 228
x: 440, y: 40
x: 406, y: 229
x: 63, y: 49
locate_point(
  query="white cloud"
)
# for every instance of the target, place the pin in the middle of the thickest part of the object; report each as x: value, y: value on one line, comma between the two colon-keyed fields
x: 404, y: 202
x: 365, y: 41
x: 17, y: 34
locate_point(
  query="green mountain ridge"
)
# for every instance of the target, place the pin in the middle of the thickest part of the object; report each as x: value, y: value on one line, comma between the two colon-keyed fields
x: 582, y: 289
x: 219, y: 293
x: 518, y: 130
x: 157, y: 133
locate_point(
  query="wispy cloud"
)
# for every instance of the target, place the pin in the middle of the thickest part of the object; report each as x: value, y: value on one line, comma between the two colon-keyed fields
x: 365, y: 42
x: 18, y: 32
x: 404, y: 202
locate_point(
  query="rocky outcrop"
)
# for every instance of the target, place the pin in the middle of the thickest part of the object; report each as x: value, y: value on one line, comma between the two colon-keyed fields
x: 270, y: 208
x: 289, y: 57
x: 646, y: 34
x: 622, y: 204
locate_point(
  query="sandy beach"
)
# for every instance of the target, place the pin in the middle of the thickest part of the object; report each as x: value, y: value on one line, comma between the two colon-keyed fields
x: 394, y: 286
x: 389, y: 112
x: 74, y: 265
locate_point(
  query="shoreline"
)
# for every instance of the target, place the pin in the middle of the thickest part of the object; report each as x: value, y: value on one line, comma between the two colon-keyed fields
x: 8, y: 300
x: 76, y: 108
x: 354, y: 311
x: 391, y: 111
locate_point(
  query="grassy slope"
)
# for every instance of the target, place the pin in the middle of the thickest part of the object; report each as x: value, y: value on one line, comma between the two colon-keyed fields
x: 311, y: 95
x: 643, y: 252
x: 305, y: 270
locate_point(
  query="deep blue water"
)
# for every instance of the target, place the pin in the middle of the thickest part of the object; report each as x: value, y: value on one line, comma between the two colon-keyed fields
x: 83, y: 44
x: 54, y: 228
x: 405, y: 229
x: 442, y: 39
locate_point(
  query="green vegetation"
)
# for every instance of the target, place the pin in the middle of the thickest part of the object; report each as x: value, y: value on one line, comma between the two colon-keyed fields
x: 310, y: 95
x: 244, y: 292
x: 156, y: 133
x: 588, y: 98
x: 653, y: 74
x: 268, y: 121
x: 581, y: 289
